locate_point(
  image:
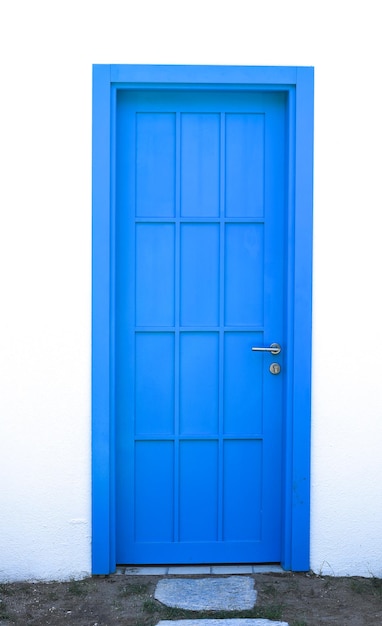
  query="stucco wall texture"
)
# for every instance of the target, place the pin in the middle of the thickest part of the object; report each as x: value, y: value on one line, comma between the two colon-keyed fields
x: 46, y: 53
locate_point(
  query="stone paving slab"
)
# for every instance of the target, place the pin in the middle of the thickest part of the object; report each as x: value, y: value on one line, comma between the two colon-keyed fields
x: 235, y: 593
x: 221, y: 622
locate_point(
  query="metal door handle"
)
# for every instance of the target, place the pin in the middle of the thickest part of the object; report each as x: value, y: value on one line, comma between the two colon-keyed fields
x: 274, y: 348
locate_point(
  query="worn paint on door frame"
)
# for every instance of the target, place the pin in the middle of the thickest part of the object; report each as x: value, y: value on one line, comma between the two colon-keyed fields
x: 297, y: 83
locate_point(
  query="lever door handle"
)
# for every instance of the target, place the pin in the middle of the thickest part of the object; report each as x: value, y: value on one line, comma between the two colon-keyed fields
x: 274, y: 348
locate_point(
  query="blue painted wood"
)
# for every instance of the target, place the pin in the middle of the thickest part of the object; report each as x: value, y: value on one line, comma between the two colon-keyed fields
x: 186, y: 75
x: 103, y: 533
x: 199, y: 281
x: 297, y: 85
x: 299, y: 541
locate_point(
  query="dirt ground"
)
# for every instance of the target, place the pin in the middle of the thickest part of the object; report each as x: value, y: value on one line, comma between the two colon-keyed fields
x: 299, y: 599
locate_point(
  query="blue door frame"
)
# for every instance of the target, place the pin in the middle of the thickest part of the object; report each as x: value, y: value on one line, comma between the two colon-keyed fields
x: 297, y: 83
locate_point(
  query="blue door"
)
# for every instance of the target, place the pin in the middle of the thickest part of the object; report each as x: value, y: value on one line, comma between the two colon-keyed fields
x: 200, y: 197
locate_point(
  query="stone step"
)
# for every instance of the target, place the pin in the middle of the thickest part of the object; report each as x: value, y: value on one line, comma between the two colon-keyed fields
x: 221, y: 622
x: 235, y: 593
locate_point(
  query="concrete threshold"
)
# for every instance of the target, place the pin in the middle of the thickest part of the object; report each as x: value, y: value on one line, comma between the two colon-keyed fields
x: 190, y: 570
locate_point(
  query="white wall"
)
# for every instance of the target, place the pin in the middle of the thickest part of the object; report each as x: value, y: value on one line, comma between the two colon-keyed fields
x: 46, y: 53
